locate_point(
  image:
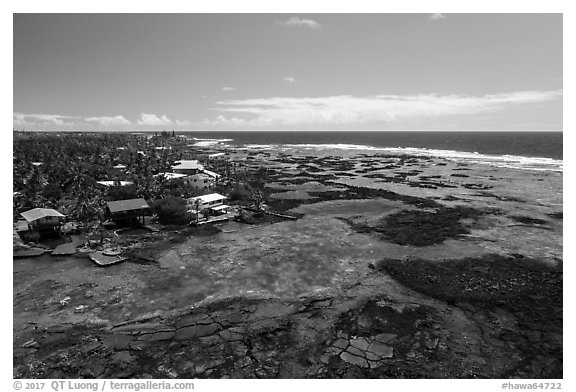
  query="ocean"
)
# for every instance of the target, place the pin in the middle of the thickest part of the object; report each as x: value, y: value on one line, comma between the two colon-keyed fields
x: 527, y: 150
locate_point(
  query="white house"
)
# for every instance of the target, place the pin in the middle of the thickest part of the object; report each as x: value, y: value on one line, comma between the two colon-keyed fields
x: 114, y: 183
x: 188, y: 167
x: 219, y: 156
x: 171, y: 176
x: 211, y: 174
x: 213, y: 201
x: 43, y: 220
x: 200, y: 181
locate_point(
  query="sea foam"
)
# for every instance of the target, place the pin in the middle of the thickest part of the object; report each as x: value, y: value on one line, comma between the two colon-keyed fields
x: 505, y: 161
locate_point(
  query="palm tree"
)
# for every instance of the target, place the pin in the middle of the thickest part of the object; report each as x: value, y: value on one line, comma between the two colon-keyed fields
x: 258, y: 200
x: 197, y: 203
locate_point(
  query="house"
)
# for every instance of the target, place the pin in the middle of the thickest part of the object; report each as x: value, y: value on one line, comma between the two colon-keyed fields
x: 219, y: 156
x: 44, y: 221
x: 196, y: 181
x: 214, y: 202
x: 171, y: 176
x: 114, y: 183
x: 127, y: 211
x: 211, y: 174
x: 188, y: 167
x: 199, y: 181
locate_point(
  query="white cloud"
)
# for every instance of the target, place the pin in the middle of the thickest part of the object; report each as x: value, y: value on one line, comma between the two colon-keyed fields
x: 153, y: 120
x: 183, y: 123
x: 437, y: 17
x: 223, y: 120
x: 32, y: 120
x: 19, y: 119
x: 298, y: 22
x: 109, y: 120
x: 228, y: 88
x: 289, y: 79
x: 56, y: 121
x: 346, y: 109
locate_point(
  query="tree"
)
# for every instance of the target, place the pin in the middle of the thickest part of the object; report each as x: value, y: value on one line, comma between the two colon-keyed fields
x: 257, y: 200
x: 52, y: 192
x: 119, y: 192
x: 197, y: 203
x: 172, y: 210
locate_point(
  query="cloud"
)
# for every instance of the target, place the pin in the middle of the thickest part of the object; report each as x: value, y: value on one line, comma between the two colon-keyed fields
x: 437, y: 17
x: 289, y: 79
x: 183, y: 123
x: 108, y: 120
x: 153, y: 120
x: 298, y: 22
x: 227, y: 88
x: 56, y: 121
x: 346, y: 109
x: 19, y: 119
x: 223, y: 120
x: 32, y: 120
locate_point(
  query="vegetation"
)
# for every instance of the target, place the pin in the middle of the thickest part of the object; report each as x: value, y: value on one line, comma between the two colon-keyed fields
x: 172, y: 210
x: 62, y: 170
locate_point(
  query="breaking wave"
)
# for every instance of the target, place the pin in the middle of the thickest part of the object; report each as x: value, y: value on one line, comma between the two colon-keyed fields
x: 205, y: 142
x: 505, y: 161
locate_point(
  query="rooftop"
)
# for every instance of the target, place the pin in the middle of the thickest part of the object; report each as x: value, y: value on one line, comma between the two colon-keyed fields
x: 200, y: 175
x: 171, y: 176
x: 187, y: 165
x: 208, y: 198
x: 210, y: 173
x: 112, y: 183
x: 38, y: 213
x: 127, y: 205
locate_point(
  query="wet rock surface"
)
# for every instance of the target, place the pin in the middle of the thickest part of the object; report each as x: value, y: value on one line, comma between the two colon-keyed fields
x: 336, y: 336
x: 373, y: 281
x: 423, y: 228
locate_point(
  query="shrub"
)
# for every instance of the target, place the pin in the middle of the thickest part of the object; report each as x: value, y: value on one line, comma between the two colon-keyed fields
x: 172, y: 210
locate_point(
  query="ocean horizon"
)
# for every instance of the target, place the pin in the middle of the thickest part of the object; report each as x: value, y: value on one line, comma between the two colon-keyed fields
x: 528, y: 144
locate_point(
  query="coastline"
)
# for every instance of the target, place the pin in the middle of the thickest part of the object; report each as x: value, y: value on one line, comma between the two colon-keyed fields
x: 216, y: 295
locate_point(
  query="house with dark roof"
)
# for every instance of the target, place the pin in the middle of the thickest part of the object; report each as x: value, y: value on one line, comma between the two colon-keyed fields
x: 127, y: 211
x: 44, y: 221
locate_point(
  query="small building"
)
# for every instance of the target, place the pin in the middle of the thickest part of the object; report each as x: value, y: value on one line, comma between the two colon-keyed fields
x: 188, y: 167
x: 199, y: 181
x: 171, y: 176
x: 219, y: 156
x: 211, y: 174
x: 114, y: 183
x: 44, y: 221
x: 119, y: 167
x: 127, y: 211
x: 214, y: 202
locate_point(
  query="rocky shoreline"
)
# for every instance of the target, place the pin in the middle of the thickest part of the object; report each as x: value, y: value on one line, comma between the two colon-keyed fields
x: 396, y: 268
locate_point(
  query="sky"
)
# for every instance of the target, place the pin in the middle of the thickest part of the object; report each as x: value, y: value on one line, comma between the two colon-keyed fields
x: 287, y: 71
